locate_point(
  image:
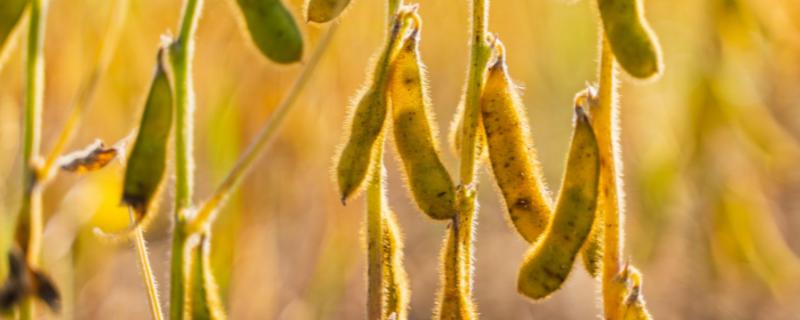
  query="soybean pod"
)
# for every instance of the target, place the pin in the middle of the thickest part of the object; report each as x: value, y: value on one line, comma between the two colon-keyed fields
x: 147, y: 162
x: 321, y: 11
x: 548, y: 263
x: 394, y: 274
x: 632, y: 40
x: 273, y: 30
x: 513, y: 159
x: 366, y: 124
x: 415, y: 133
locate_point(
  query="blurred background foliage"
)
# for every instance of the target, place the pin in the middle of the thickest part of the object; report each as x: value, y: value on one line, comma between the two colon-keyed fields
x: 711, y: 152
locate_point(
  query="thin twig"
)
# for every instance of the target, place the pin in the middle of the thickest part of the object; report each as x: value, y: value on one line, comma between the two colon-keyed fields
x: 147, y: 270
x: 205, y: 215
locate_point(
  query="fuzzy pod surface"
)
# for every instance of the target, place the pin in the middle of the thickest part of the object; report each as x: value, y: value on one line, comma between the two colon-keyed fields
x: 632, y: 40
x: 513, y: 159
x: 548, y: 263
x: 414, y: 135
x: 273, y: 30
x: 147, y: 162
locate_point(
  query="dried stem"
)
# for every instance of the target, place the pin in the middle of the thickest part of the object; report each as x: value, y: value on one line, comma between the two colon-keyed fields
x: 375, y: 205
x: 147, y: 270
x: 181, y: 54
x: 205, y: 216
x: 467, y: 200
x: 29, y: 225
x: 604, y: 121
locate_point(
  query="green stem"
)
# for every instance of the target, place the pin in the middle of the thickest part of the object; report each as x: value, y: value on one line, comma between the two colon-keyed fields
x: 181, y: 54
x: 205, y: 215
x: 147, y: 270
x: 29, y: 226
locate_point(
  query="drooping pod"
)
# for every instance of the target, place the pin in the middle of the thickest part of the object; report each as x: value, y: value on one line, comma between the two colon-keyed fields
x: 394, y: 274
x: 632, y: 40
x: 205, y: 300
x: 366, y: 123
x: 415, y: 133
x: 273, y: 30
x: 592, y: 251
x: 321, y: 11
x: 148, y: 160
x: 548, y: 263
x: 511, y: 153
x: 10, y: 14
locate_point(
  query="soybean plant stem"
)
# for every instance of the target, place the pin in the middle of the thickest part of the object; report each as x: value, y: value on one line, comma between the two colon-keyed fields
x: 207, y: 211
x: 604, y: 120
x: 375, y: 235
x: 87, y: 89
x: 181, y: 53
x: 466, y: 194
x: 29, y: 224
x: 147, y: 270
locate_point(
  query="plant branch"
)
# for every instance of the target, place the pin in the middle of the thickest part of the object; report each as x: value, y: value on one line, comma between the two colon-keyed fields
x: 181, y: 53
x: 147, y: 270
x: 205, y: 215
x: 29, y: 224
x: 604, y: 121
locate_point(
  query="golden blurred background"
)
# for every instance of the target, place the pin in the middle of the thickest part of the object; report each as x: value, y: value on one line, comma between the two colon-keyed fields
x: 711, y: 152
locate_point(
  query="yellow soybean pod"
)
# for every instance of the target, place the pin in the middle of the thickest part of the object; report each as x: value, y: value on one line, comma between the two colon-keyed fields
x: 415, y: 133
x: 511, y: 153
x: 273, y: 30
x: 550, y: 260
x: 632, y: 40
x: 147, y: 162
x: 394, y: 274
x: 366, y: 125
x: 321, y: 11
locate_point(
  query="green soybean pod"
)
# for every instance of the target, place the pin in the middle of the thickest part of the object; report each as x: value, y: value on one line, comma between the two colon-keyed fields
x: 205, y: 300
x: 549, y: 262
x: 511, y: 154
x: 415, y: 134
x: 148, y: 159
x: 321, y: 11
x: 10, y: 14
x: 366, y: 124
x: 273, y: 30
x: 632, y: 40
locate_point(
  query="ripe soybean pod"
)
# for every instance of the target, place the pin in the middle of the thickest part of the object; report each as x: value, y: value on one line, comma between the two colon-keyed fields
x: 321, y: 11
x: 632, y: 40
x: 592, y: 251
x: 511, y: 153
x: 415, y: 134
x: 548, y: 263
x: 394, y: 274
x: 366, y: 122
x: 147, y: 162
x: 273, y: 30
